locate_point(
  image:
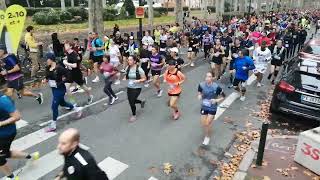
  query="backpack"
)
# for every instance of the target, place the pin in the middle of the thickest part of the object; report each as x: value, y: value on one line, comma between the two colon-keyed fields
x: 138, y: 76
x: 16, y: 60
x: 95, y: 43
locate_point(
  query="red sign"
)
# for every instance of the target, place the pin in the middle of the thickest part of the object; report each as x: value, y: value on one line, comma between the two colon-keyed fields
x: 140, y: 12
x: 308, y: 150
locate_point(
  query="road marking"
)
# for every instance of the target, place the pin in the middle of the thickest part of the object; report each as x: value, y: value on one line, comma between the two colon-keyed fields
x: 84, y: 107
x: 112, y: 167
x: 42, y: 166
x: 251, y: 79
x: 226, y: 104
x: 32, y: 139
x: 21, y: 123
x: 152, y: 178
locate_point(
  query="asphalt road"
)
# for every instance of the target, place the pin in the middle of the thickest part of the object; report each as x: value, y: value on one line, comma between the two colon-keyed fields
x: 137, y: 151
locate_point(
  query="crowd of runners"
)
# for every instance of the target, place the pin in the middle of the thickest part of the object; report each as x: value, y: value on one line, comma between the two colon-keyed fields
x: 233, y: 48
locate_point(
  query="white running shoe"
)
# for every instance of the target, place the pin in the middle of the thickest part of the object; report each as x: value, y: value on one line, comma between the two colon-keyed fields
x: 78, y: 110
x: 259, y: 84
x: 242, y: 98
x: 206, y: 141
x: 146, y: 85
x: 160, y: 93
x: 97, y: 79
x: 117, y: 82
x: 192, y: 64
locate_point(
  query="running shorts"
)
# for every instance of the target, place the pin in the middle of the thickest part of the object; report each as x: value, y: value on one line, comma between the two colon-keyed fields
x: 236, y: 82
x: 16, y: 84
x: 174, y: 94
x: 155, y: 72
x: 5, y: 144
x: 207, y: 112
x: 97, y: 59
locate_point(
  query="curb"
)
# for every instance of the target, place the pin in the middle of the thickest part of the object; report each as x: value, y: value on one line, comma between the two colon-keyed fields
x: 250, y: 155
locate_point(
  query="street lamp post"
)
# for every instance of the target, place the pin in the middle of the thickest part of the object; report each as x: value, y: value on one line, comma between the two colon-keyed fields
x: 140, y: 24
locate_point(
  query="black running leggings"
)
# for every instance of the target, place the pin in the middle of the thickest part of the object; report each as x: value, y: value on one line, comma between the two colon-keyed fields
x: 133, y: 95
x: 108, y: 89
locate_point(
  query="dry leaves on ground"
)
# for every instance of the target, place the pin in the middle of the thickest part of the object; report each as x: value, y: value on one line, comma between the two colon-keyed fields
x: 266, y: 178
x: 167, y: 168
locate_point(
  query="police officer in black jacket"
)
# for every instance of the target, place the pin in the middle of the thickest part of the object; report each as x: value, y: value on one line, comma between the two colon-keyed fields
x: 79, y: 163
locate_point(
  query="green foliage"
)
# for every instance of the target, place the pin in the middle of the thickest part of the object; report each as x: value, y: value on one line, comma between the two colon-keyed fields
x: 212, y: 9
x: 109, y: 14
x: 83, y: 13
x: 185, y: 8
x: 155, y: 14
x: 46, y: 18
x: 65, y: 16
x: 129, y: 7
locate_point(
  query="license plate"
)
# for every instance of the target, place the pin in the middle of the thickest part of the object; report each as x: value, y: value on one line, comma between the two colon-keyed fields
x: 310, y: 99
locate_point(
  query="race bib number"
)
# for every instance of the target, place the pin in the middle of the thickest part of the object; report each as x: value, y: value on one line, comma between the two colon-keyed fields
x: 206, y: 102
x: 131, y: 82
x: 106, y: 74
x: 52, y: 83
x: 172, y: 86
x: 190, y: 49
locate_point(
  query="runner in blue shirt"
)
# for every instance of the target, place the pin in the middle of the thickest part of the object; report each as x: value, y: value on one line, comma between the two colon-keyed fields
x: 242, y: 65
x: 210, y: 94
x: 8, y: 117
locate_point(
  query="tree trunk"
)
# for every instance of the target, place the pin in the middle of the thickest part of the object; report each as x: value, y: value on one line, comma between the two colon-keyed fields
x: 3, y: 5
x: 217, y: 8
x: 63, y: 5
x: 235, y: 5
x: 258, y: 6
x: 104, y: 4
x: 222, y: 8
x: 150, y: 13
x: 204, y: 8
x: 95, y: 16
x: 178, y: 11
x: 72, y: 3
x: 28, y: 3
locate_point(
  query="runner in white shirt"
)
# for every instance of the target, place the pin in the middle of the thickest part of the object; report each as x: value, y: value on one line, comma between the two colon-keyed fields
x: 115, y: 55
x: 261, y: 56
x: 147, y: 39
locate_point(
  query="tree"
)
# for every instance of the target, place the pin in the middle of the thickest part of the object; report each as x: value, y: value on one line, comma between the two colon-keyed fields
x: 72, y: 3
x: 28, y: 3
x: 178, y: 12
x: 3, y: 5
x: 104, y: 4
x: 96, y: 16
x: 150, y: 13
x: 63, y: 4
x: 129, y: 7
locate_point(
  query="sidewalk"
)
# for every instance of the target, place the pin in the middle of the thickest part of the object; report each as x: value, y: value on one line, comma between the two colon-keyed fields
x: 278, y: 163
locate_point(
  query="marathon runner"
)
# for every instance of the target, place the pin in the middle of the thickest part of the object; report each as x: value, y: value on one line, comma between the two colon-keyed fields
x: 9, y: 115
x: 210, y: 94
x: 97, y: 47
x: 226, y: 42
x: 109, y: 72
x: 12, y: 72
x: 261, y: 56
x: 217, y: 54
x: 163, y: 42
x: 115, y: 55
x: 72, y: 63
x: 174, y: 52
x: 207, y: 40
x: 136, y: 78
x: 278, y: 56
x: 157, y: 62
x: 234, y: 50
x: 241, y: 67
x: 174, y: 78
x: 145, y: 55
x: 193, y: 45
x: 56, y: 76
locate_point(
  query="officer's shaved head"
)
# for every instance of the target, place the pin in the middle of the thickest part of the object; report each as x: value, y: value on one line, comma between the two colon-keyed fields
x: 68, y: 140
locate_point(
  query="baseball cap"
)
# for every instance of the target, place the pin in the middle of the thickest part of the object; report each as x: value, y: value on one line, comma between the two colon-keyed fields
x: 51, y: 56
x: 131, y: 37
x: 174, y: 49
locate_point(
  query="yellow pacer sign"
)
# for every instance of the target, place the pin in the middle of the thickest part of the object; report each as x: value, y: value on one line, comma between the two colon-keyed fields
x: 15, y: 17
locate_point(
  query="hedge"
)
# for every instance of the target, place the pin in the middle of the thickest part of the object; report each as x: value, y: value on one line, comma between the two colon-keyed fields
x: 46, y: 18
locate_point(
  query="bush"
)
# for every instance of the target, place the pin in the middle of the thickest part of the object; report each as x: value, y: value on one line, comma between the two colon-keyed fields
x: 46, y: 18
x: 155, y: 14
x: 109, y: 14
x: 185, y: 8
x: 65, y: 16
x: 32, y: 11
x: 212, y: 9
x: 83, y: 13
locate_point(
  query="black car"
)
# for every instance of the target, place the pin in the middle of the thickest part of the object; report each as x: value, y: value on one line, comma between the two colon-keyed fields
x: 298, y: 89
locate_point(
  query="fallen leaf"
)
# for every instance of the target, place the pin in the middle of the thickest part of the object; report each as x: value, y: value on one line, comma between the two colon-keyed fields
x: 279, y: 170
x: 316, y: 178
x: 248, y: 124
x: 265, y: 163
x: 308, y: 173
x: 228, y: 155
x: 294, y: 168
x: 283, y: 158
x: 253, y: 166
x: 266, y: 178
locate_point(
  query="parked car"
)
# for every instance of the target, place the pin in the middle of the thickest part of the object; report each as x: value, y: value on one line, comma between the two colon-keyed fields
x: 298, y: 89
x: 311, y: 50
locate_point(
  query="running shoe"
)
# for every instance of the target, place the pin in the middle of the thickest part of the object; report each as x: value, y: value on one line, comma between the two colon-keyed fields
x: 176, y: 115
x: 86, y: 80
x: 90, y: 99
x: 132, y: 119
x: 160, y: 93
x: 96, y: 80
x: 74, y: 105
x: 74, y: 90
x: 123, y: 71
x: 146, y: 85
x: 52, y: 127
x: 259, y: 84
x: 19, y: 95
x: 117, y: 82
x: 112, y: 100
x: 40, y: 98
x: 78, y: 110
x: 206, y: 141
x: 242, y: 98
x: 143, y: 103
x: 192, y: 64
x: 14, y: 178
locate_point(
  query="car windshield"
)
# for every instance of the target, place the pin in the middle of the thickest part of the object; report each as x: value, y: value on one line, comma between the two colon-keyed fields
x: 312, y: 49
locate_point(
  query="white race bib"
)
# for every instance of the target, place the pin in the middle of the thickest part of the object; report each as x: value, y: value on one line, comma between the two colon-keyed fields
x: 52, y: 83
x: 190, y: 49
x: 206, y: 102
x: 131, y: 82
x: 286, y: 45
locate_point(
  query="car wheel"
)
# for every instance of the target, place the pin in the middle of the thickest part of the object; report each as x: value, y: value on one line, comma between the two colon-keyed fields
x: 274, y: 106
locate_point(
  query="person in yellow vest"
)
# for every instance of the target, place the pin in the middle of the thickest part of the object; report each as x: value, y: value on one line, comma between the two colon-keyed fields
x: 33, y: 48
